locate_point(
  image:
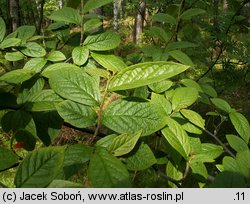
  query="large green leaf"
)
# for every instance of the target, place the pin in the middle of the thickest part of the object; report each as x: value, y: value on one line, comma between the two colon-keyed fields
x: 48, y: 125
x: 17, y: 76
x: 57, y: 66
x: 184, y: 97
x: 191, y: 83
x: 236, y: 143
x: 80, y: 55
x: 92, y: 4
x: 44, y: 100
x: 161, y: 86
x: 199, y: 168
x: 76, y: 114
x: 66, y: 14
x: 124, y: 143
x: 25, y: 32
x: 162, y: 103
x: 91, y: 24
x: 106, y: 141
x: 103, y: 41
x: 209, y: 90
x: 77, y: 154
x: 177, y: 138
x: 8, y: 158
x: 124, y: 116
x: 221, y: 104
x: 163, y: 17
x: 2, y: 29
x: 40, y: 167
x: 186, y: 15
x: 142, y: 159
x: 145, y: 74
x: 110, y: 62
x: 14, y: 56
x: 64, y: 184
x: 16, y: 120
x: 34, y: 50
x: 106, y: 171
x: 29, y: 89
x: 56, y: 56
x: 9, y: 42
x: 181, y: 57
x: 193, y: 117
x: 241, y: 125
x: 76, y: 85
x: 179, y: 45
x: 173, y: 172
x: 35, y: 64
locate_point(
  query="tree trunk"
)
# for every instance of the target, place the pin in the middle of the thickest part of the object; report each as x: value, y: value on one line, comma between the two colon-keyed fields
x: 14, y: 14
x: 139, y: 19
x: 121, y: 9
x: 40, y: 22
x: 216, y: 11
x: 60, y: 3
x: 225, y: 6
x: 115, y: 12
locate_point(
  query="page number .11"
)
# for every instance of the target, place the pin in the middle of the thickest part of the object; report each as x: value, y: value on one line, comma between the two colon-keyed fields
x: 240, y: 196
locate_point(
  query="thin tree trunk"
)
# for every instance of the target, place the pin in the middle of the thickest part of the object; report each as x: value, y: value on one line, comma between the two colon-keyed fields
x: 115, y: 12
x: 225, y: 6
x: 216, y: 11
x: 14, y: 14
x: 139, y: 19
x: 60, y: 3
x: 40, y: 22
x: 121, y: 9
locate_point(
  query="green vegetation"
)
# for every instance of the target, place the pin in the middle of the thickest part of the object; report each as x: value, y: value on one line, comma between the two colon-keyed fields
x: 82, y: 107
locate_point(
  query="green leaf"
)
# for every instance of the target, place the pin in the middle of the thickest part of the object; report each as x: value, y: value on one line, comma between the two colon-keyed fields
x: 17, y: 76
x: 80, y: 55
x: 181, y: 57
x: 76, y: 114
x: 57, y: 66
x: 35, y: 64
x: 92, y: 4
x: 193, y: 117
x: 142, y: 159
x: 48, y: 126
x: 160, y: 33
x: 188, y: 14
x: 221, y: 104
x: 124, y: 116
x: 177, y: 138
x: 241, y: 125
x: 29, y: 89
x: 173, y: 172
x: 164, y: 18
x: 26, y: 138
x: 103, y: 41
x: 189, y: 127
x: 243, y: 161
x: 145, y: 74
x: 10, y: 42
x: 179, y: 45
x: 56, y: 56
x: 209, y: 90
x: 44, y: 100
x: 76, y: 85
x: 161, y: 86
x: 191, y: 83
x: 16, y: 120
x: 91, y: 24
x: 64, y: 184
x: 77, y: 154
x: 40, y: 167
x: 162, y: 103
x: 34, y: 50
x: 2, y: 29
x: 106, y: 141
x: 67, y: 15
x: 229, y: 179
x: 106, y: 171
x: 8, y: 158
x: 184, y: 97
x: 124, y: 143
x: 230, y: 164
x: 110, y: 62
x: 25, y: 32
x: 14, y: 56
x: 236, y: 143
x: 200, y: 169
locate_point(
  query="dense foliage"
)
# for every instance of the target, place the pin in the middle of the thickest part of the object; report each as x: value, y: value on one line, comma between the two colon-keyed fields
x: 146, y: 123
